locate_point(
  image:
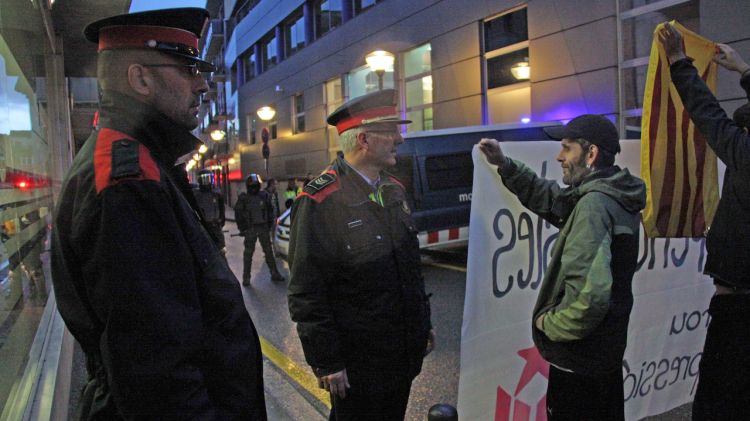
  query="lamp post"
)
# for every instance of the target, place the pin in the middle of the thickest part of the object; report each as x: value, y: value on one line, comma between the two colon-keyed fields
x: 380, y: 61
x: 266, y: 114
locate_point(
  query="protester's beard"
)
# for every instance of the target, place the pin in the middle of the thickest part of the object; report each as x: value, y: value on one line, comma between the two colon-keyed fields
x: 576, y: 172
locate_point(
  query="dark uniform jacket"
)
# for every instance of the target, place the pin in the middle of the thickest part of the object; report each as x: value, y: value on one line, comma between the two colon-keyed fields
x: 356, y: 289
x: 253, y: 209
x: 142, y: 287
x: 728, y: 241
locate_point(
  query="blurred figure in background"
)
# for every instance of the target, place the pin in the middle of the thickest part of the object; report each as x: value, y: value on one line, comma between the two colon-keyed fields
x: 211, y: 204
x: 254, y: 215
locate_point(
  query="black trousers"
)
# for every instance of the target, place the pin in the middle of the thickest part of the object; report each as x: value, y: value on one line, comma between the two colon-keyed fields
x: 724, y: 375
x: 374, y: 396
x: 260, y: 233
x: 572, y: 396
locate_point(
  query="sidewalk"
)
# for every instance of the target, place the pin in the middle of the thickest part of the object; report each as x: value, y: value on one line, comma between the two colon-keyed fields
x: 286, y: 397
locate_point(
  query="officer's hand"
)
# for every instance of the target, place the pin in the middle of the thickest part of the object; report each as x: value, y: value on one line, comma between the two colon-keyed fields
x: 671, y: 39
x: 493, y: 152
x: 430, y: 343
x: 727, y: 57
x: 336, y: 383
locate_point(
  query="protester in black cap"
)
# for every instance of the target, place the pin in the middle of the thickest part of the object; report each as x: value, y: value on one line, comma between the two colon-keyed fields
x: 580, y: 320
x: 138, y: 280
x: 356, y: 289
x: 724, y: 376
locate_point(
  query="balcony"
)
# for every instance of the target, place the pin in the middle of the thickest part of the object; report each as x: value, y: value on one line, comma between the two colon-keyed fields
x: 215, y: 37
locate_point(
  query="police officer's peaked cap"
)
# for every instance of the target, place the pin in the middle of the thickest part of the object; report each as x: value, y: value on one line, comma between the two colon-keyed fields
x: 374, y: 108
x: 171, y: 31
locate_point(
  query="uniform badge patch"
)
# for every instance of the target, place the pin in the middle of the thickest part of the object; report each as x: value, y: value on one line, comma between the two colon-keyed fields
x: 125, y: 159
x: 320, y: 183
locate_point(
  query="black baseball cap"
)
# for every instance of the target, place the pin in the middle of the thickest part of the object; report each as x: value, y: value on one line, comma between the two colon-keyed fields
x: 171, y: 31
x: 594, y: 128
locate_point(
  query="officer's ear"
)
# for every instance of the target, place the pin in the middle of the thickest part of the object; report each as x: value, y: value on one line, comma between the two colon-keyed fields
x: 139, y: 79
x: 362, y: 140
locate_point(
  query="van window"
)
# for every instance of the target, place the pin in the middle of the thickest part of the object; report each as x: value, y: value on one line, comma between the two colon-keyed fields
x: 404, y: 171
x: 449, y: 171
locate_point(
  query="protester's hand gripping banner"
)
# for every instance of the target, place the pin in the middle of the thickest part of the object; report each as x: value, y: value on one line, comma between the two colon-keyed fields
x: 503, y: 377
x: 678, y: 167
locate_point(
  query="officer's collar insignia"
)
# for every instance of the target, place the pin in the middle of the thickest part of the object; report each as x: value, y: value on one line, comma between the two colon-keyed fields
x: 320, y: 183
x: 405, y: 207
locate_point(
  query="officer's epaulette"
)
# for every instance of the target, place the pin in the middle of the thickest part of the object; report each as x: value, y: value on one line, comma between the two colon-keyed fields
x: 322, y: 186
x: 395, y: 180
x: 118, y: 157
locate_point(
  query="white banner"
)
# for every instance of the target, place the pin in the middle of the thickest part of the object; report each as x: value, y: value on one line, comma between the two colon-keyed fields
x: 502, y: 375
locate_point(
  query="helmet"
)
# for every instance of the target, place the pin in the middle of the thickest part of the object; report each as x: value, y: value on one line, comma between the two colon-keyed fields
x: 205, y: 179
x: 253, y: 183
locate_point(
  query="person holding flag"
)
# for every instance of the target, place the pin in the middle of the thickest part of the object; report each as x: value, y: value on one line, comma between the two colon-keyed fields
x: 724, y: 387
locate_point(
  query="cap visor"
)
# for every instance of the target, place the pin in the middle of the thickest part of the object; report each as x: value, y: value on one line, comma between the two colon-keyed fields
x: 387, y: 121
x: 558, y: 132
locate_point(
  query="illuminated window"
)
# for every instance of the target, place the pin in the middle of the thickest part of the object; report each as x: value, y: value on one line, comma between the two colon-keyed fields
x: 363, y: 80
x: 298, y: 116
x: 417, y: 87
x: 507, y: 70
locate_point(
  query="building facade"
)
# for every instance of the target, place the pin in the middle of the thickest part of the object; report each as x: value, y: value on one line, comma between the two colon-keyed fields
x: 457, y: 63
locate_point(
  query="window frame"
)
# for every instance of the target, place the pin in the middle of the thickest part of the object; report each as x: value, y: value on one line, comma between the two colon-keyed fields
x: 297, y: 17
x: 411, y: 78
x: 297, y: 114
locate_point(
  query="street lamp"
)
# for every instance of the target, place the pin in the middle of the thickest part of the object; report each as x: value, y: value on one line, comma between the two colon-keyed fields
x: 266, y: 113
x: 380, y: 61
x: 203, y: 149
x: 218, y: 135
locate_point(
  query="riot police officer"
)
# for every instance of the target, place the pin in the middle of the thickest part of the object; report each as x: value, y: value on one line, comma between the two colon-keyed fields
x: 211, y: 204
x: 254, y: 214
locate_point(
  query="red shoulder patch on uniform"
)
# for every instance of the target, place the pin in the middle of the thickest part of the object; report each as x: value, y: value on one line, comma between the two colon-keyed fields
x: 395, y: 180
x: 322, y: 187
x: 148, y: 170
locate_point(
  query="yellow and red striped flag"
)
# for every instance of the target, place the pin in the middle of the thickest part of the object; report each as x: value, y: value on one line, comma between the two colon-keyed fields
x: 678, y: 167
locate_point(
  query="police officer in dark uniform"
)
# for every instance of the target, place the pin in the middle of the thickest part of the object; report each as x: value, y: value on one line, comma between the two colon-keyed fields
x: 254, y: 214
x: 211, y: 204
x: 138, y: 280
x: 356, y: 289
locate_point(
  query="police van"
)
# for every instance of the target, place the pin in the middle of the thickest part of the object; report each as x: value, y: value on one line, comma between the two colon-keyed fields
x: 436, y: 169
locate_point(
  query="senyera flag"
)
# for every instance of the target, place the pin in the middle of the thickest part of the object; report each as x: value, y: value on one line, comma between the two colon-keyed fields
x: 679, y: 168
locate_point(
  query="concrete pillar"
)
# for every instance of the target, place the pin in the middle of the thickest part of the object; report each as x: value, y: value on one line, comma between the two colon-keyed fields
x: 347, y: 10
x: 258, y: 58
x: 280, y: 53
x: 307, y: 12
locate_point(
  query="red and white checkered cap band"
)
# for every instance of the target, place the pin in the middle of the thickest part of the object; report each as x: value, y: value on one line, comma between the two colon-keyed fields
x: 137, y: 36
